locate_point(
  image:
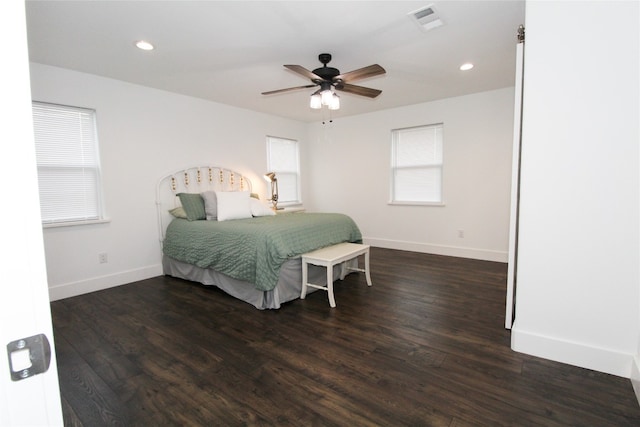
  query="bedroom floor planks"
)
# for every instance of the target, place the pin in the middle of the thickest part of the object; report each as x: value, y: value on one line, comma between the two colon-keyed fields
x: 424, y: 346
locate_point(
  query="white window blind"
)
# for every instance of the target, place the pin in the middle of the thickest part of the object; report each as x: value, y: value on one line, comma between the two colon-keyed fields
x: 416, y: 165
x: 68, y: 163
x: 283, y: 159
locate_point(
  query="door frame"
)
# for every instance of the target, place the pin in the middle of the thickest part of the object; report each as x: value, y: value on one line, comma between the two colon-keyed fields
x: 24, y: 297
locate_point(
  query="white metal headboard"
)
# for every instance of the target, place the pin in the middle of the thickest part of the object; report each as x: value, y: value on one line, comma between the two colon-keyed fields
x: 196, y: 179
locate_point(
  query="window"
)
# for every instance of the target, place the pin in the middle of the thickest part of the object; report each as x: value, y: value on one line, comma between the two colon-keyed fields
x: 416, y: 165
x: 68, y: 164
x: 283, y: 160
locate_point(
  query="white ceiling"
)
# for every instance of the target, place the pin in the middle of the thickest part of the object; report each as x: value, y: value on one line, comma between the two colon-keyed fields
x: 231, y: 51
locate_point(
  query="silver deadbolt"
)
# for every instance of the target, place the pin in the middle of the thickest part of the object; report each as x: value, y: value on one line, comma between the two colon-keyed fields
x: 28, y: 356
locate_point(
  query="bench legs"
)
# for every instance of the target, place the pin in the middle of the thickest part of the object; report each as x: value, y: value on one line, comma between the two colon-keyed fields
x: 305, y: 279
x: 332, y: 300
x: 365, y: 270
x: 329, y: 266
x: 328, y: 288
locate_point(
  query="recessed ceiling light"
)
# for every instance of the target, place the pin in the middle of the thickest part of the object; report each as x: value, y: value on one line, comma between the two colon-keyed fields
x: 144, y: 45
x: 466, y: 67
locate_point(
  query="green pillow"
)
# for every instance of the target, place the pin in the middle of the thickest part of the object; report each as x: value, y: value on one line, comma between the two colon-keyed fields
x: 193, y: 205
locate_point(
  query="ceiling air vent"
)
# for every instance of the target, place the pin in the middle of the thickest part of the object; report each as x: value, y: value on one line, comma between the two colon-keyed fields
x: 427, y: 18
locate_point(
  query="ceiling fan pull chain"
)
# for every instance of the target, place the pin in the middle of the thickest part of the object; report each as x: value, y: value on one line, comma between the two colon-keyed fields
x: 324, y: 121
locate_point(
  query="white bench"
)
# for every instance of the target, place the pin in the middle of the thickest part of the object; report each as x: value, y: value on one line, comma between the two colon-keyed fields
x: 330, y: 256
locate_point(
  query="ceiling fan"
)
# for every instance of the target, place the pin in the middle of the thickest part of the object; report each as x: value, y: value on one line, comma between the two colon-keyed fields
x: 329, y: 77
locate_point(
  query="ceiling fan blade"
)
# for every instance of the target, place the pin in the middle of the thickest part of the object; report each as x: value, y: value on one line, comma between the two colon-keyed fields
x: 304, y: 72
x: 362, y: 73
x: 271, y: 92
x: 358, y: 90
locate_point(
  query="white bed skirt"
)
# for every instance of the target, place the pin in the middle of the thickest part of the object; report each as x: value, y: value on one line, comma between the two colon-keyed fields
x: 288, y: 287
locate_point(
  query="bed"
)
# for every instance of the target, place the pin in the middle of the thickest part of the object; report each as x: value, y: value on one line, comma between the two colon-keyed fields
x: 215, y: 231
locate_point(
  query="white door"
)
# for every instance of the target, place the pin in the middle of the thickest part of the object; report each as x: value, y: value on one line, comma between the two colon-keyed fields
x: 25, y: 399
x: 515, y: 184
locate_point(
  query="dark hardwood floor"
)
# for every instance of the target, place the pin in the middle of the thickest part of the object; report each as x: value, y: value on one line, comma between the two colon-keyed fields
x: 425, y: 346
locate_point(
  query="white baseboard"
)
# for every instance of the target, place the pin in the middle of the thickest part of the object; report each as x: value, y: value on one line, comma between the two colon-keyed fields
x: 572, y: 353
x: 457, y: 251
x: 635, y: 376
x: 73, y: 289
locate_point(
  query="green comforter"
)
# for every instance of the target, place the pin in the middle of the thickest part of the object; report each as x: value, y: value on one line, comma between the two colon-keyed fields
x: 254, y: 249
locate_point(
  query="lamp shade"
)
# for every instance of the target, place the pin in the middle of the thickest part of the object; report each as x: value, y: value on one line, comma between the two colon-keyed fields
x: 327, y: 95
x: 335, y: 102
x: 270, y: 176
x: 316, y: 101
x: 324, y: 96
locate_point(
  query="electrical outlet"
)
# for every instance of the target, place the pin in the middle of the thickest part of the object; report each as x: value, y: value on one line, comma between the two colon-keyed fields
x: 461, y: 234
x: 102, y: 258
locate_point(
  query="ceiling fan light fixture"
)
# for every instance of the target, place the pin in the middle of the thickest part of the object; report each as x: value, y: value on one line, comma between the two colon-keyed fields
x: 316, y: 101
x: 327, y: 96
x: 329, y: 80
x: 335, y: 102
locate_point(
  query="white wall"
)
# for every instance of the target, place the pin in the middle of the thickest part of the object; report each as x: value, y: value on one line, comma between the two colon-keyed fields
x: 349, y: 172
x: 144, y: 134
x: 578, y: 276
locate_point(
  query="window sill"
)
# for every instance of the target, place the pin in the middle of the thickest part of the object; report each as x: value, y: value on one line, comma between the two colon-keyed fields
x: 437, y: 204
x: 75, y: 223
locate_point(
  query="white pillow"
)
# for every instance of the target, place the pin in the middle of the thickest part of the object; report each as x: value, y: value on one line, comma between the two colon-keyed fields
x: 260, y: 209
x: 233, y: 205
